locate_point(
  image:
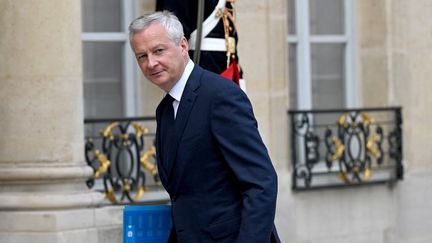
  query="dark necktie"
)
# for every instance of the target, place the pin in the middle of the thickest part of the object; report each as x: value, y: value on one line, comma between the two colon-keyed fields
x: 167, y: 130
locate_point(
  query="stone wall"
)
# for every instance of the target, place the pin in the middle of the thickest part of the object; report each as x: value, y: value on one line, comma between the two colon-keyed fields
x: 42, y: 171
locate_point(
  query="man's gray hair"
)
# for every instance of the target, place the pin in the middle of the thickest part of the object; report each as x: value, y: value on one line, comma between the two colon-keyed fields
x: 167, y: 19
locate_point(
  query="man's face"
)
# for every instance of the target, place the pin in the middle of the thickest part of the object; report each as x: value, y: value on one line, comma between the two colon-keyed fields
x: 160, y: 59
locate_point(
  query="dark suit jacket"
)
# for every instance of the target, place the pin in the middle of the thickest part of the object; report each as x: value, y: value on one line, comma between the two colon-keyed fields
x: 220, y: 178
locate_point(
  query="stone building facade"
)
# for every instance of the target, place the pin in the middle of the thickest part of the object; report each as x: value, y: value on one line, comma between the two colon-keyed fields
x: 42, y: 170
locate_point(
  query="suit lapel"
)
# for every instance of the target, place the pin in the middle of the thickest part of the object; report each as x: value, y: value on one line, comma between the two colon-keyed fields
x: 185, y: 107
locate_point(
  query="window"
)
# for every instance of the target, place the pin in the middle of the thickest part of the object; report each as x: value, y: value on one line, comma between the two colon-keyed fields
x: 110, y: 85
x: 322, y: 54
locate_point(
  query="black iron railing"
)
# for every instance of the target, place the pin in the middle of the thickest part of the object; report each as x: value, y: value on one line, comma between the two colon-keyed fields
x: 346, y: 147
x: 122, y: 154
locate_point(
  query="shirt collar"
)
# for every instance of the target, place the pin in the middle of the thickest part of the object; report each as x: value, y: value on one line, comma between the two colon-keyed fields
x: 177, y: 91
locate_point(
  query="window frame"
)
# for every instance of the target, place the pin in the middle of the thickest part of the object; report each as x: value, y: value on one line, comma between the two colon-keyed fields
x: 130, y: 85
x: 302, y: 41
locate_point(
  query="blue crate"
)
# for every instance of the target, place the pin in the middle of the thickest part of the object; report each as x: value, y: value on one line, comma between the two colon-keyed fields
x: 149, y: 224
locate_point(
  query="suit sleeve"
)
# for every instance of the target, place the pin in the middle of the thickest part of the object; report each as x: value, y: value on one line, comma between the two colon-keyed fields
x: 234, y: 126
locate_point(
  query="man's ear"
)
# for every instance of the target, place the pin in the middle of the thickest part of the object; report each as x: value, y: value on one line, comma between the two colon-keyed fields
x: 184, y: 45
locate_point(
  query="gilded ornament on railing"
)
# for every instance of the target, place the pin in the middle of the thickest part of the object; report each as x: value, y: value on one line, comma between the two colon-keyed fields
x: 104, y: 163
x: 345, y: 147
x: 121, y: 161
x: 139, y: 130
x: 354, y: 165
x: 355, y: 128
x: 339, y: 150
x: 367, y: 119
x: 107, y: 131
x: 372, y: 145
x: 345, y: 120
x: 147, y: 164
x: 109, y: 194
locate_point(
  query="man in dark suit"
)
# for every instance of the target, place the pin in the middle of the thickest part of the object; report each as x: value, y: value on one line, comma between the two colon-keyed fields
x: 211, y: 158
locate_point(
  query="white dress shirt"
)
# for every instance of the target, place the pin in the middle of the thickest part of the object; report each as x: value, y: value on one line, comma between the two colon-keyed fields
x: 177, y: 91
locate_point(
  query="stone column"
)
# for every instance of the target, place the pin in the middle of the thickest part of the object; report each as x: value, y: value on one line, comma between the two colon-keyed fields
x: 43, y: 196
